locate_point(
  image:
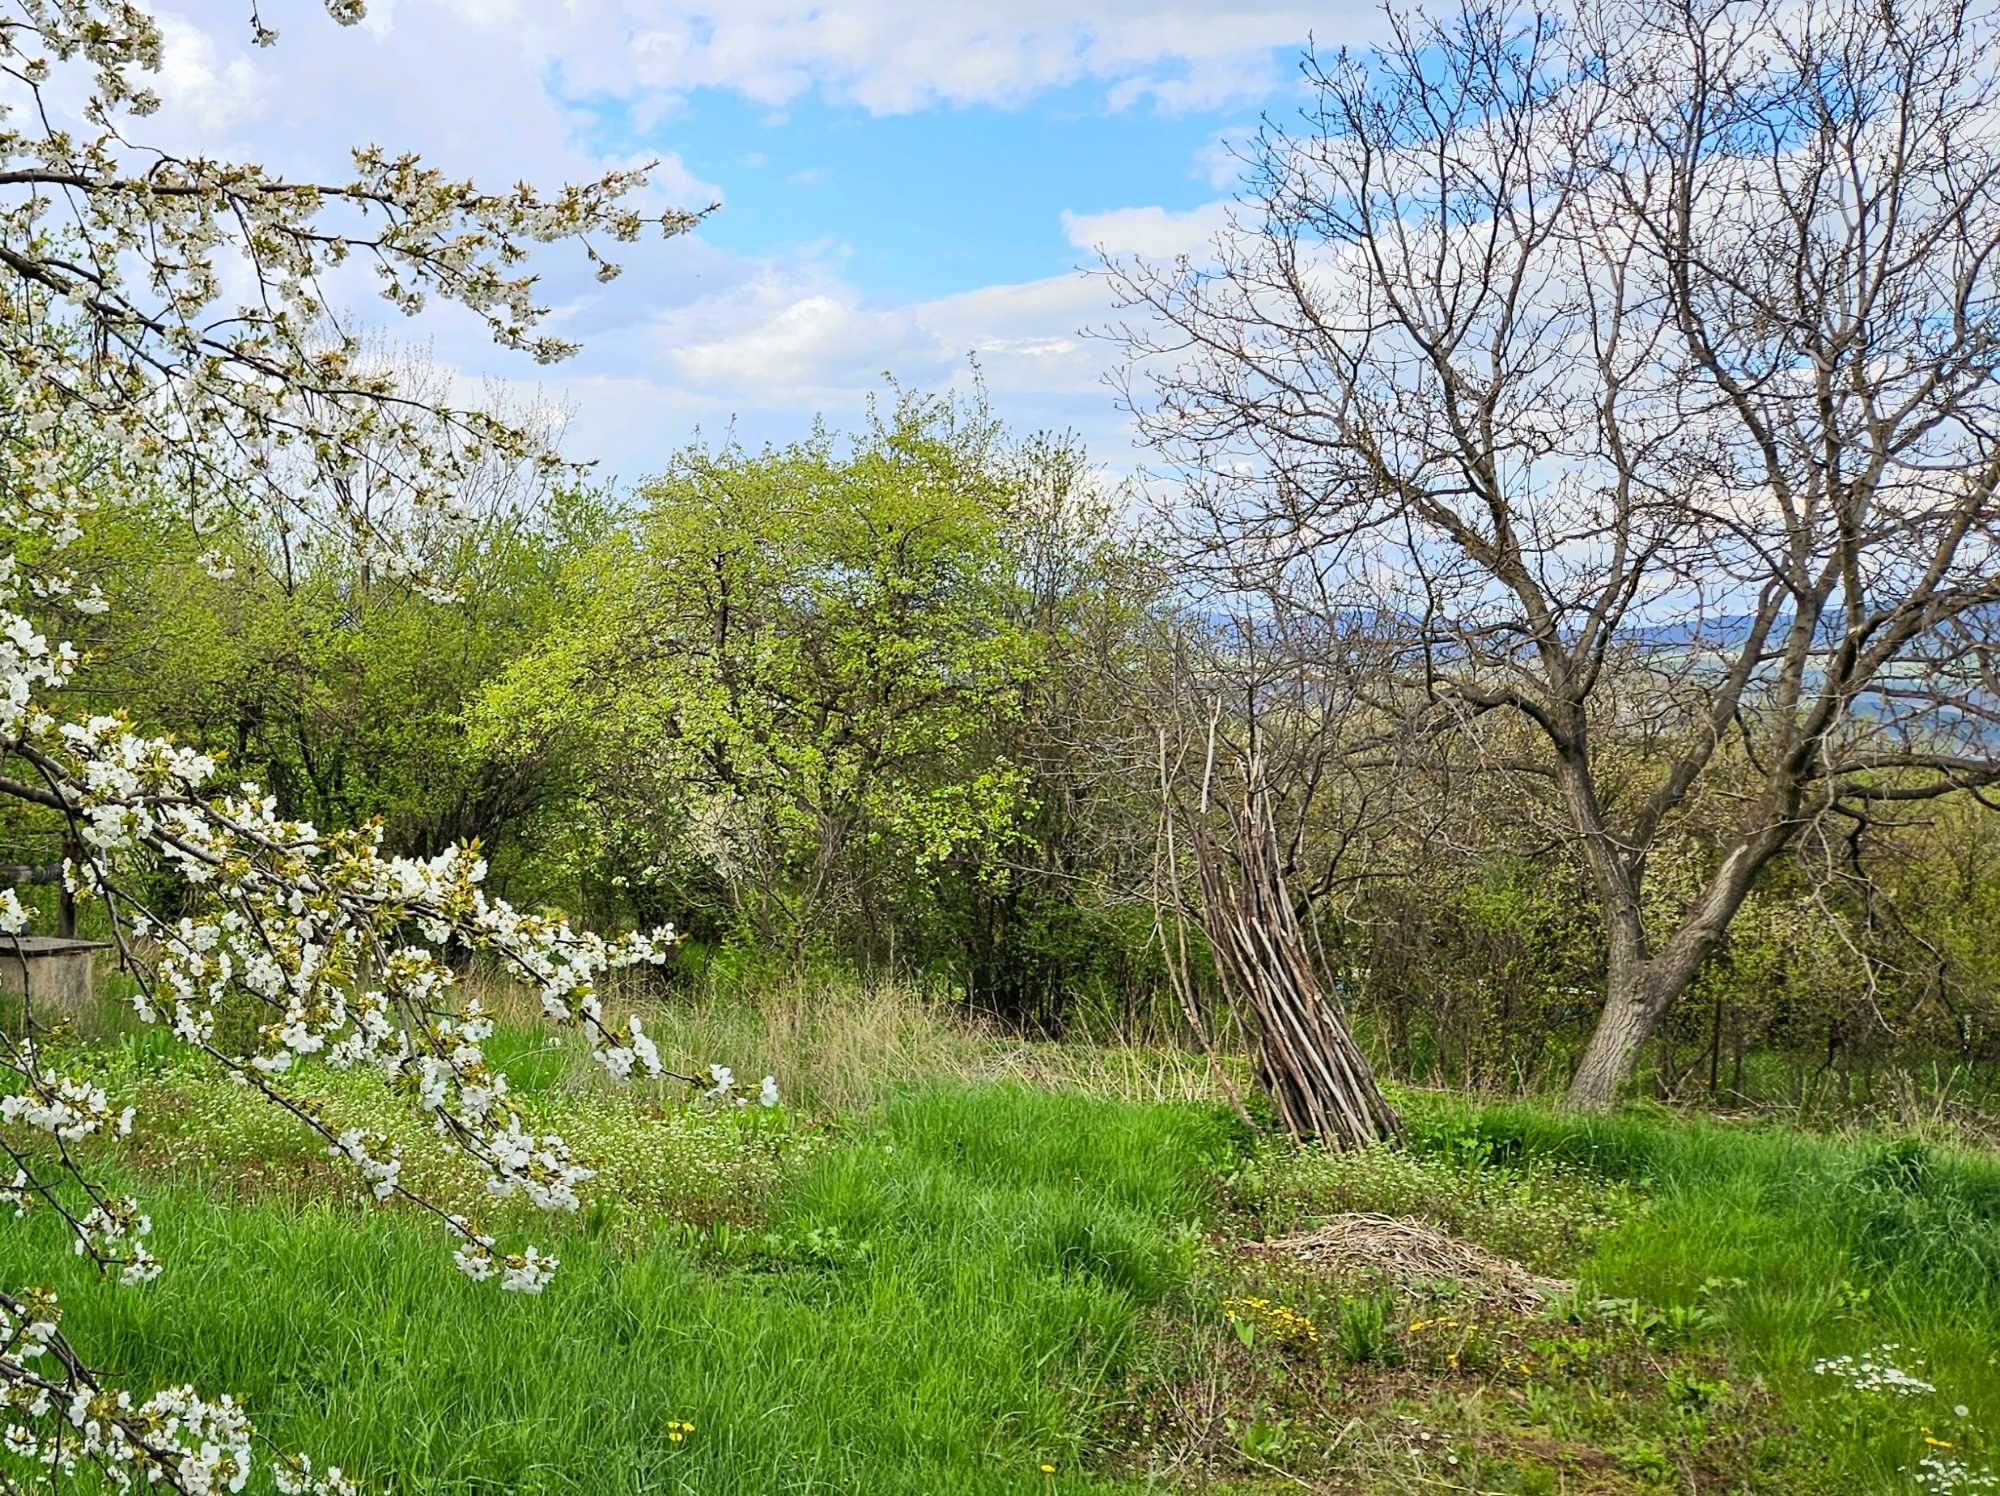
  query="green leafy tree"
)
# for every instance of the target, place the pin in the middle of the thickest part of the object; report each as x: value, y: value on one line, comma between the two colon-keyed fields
x: 341, y: 689
x: 779, y: 681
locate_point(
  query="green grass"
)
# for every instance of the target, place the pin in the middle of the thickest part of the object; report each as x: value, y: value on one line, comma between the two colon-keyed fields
x: 1811, y: 1247
x: 944, y: 1285
x: 937, y: 1306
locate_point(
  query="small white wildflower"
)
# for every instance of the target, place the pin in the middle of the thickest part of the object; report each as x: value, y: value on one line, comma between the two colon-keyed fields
x: 1874, y: 1371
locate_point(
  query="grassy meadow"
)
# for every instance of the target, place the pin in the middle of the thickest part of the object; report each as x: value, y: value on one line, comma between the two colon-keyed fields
x: 959, y: 1263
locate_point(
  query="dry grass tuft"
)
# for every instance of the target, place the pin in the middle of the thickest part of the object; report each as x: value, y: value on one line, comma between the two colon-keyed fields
x: 1411, y: 1254
x: 841, y: 1046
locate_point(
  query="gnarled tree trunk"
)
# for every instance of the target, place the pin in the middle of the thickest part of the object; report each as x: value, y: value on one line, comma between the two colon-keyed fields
x: 1642, y: 987
x: 1632, y: 1012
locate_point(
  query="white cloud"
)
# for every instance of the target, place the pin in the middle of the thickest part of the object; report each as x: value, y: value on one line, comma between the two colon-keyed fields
x: 1033, y: 338
x: 791, y: 341
x: 1221, y: 160
x: 506, y: 90
x: 1217, y: 83
x: 762, y: 361
x: 796, y: 334
x: 1157, y: 233
x: 202, y: 82
x: 895, y: 56
x: 805, y: 347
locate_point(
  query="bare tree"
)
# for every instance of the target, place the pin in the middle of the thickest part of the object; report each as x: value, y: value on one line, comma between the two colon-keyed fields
x: 1635, y: 371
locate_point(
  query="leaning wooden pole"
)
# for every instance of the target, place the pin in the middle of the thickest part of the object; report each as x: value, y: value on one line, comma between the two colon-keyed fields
x: 1319, y: 1082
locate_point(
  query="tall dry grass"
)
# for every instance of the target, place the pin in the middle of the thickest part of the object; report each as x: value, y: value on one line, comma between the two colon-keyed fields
x: 847, y: 1044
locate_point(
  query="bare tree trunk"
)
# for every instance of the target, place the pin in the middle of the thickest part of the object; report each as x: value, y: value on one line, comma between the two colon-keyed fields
x: 1641, y: 991
x: 1631, y: 1015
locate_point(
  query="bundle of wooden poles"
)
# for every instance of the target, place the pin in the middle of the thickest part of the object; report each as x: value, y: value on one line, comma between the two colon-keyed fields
x: 1319, y: 1082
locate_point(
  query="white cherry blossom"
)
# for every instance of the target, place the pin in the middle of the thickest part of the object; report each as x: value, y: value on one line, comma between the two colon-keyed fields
x: 130, y: 363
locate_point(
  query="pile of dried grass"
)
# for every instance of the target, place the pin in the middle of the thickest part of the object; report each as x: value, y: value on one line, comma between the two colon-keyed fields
x: 1412, y: 1253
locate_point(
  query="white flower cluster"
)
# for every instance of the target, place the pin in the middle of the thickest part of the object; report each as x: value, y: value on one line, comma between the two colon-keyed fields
x: 70, y: 1109
x: 383, y: 1171
x: 210, y: 1440
x: 28, y: 1326
x: 127, y: 370
x: 527, y: 1271
x: 27, y: 660
x: 538, y: 1167
x: 722, y: 1088
x: 1942, y: 1475
x: 64, y: 1424
x: 619, y: 1058
x: 1874, y: 1371
x: 112, y: 1231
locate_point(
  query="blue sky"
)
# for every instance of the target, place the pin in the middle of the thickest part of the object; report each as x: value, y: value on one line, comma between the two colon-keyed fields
x: 935, y: 201
x: 903, y: 183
